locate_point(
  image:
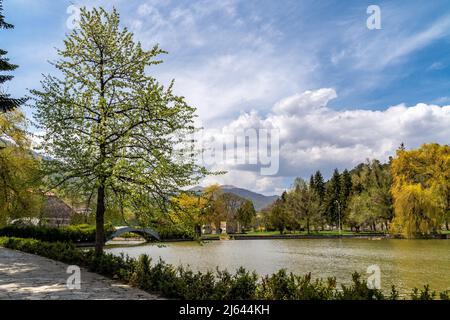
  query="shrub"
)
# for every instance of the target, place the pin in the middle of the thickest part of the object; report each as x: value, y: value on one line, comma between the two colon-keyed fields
x: 170, y: 232
x: 424, y: 294
x: 359, y: 290
x: 76, y: 234
x: 284, y: 286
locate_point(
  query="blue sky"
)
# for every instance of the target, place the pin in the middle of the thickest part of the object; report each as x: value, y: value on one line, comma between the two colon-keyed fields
x: 236, y: 60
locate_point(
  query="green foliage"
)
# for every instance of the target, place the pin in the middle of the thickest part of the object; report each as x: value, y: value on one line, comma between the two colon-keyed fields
x: 284, y: 286
x: 319, y: 185
x: 346, y: 189
x: 61, y: 251
x: 246, y: 213
x: 424, y: 294
x: 19, y: 170
x: 175, y: 231
x: 421, y: 190
x: 304, y: 201
x: 280, y: 216
x: 183, y: 283
x: 359, y: 290
x: 6, y: 102
x: 333, y: 199
x: 114, y: 130
x: 73, y: 234
x: 371, y: 203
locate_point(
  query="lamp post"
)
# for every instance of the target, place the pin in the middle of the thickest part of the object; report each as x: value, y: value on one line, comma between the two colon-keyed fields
x: 339, y: 215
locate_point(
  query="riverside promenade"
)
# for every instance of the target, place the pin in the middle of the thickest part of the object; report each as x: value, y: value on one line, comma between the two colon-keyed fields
x: 27, y: 276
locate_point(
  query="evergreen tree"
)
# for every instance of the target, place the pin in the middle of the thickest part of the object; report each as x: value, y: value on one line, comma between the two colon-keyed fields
x: 319, y: 185
x: 6, y: 102
x: 312, y: 183
x: 346, y: 189
x: 333, y: 199
x: 318, y: 188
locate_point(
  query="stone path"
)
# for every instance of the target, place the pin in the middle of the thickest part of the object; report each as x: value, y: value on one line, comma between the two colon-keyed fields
x: 27, y: 276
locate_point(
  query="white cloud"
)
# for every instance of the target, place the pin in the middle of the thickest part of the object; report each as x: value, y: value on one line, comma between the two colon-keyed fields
x: 222, y: 61
x: 374, y: 50
x: 314, y: 136
x: 305, y: 102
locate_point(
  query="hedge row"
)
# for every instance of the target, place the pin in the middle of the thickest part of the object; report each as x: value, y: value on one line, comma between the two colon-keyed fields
x: 83, y: 233
x: 171, y: 232
x: 76, y: 234
x: 182, y: 283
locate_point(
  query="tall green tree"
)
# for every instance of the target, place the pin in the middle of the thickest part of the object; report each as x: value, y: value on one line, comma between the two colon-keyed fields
x: 319, y: 185
x: 110, y: 126
x: 6, y: 102
x: 333, y: 200
x: 372, y: 183
x: 280, y: 215
x: 304, y: 203
x: 346, y: 188
x: 320, y: 190
x: 245, y: 214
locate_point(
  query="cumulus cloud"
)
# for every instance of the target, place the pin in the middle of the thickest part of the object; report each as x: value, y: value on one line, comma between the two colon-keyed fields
x: 304, y: 102
x: 314, y: 136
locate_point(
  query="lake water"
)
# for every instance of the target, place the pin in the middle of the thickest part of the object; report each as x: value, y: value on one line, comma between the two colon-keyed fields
x: 404, y: 263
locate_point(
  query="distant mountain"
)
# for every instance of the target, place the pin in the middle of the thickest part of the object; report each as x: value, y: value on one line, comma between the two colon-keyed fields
x: 260, y: 201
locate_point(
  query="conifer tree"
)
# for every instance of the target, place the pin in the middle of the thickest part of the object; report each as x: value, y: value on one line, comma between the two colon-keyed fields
x: 319, y: 185
x: 333, y: 199
x: 346, y: 188
x: 6, y: 102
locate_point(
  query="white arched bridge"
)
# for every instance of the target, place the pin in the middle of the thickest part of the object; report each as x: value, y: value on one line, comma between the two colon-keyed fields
x: 146, y: 233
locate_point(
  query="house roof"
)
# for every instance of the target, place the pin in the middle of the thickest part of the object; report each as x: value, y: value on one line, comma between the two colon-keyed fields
x: 55, y: 207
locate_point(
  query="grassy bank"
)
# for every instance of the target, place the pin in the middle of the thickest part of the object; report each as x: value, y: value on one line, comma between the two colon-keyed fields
x: 181, y: 283
x: 316, y: 235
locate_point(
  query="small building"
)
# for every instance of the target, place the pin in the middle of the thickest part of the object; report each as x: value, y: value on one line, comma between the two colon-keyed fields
x: 55, y: 212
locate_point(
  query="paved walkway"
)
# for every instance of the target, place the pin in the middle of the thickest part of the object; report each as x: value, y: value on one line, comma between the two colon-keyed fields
x: 27, y: 276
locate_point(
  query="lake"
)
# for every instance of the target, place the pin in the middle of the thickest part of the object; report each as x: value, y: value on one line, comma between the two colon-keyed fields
x: 404, y: 263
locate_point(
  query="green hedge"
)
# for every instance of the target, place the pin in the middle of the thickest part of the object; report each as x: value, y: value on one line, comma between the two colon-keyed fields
x: 77, y: 234
x: 175, y: 232
x: 182, y: 283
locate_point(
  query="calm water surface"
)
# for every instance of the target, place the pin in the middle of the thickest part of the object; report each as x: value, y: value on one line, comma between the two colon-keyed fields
x: 405, y: 263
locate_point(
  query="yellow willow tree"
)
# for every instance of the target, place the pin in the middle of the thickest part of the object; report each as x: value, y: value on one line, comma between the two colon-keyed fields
x: 196, y: 209
x: 421, y: 190
x: 18, y: 170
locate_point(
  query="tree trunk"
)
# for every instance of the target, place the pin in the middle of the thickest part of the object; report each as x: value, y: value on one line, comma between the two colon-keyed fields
x: 198, y: 230
x: 100, y: 221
